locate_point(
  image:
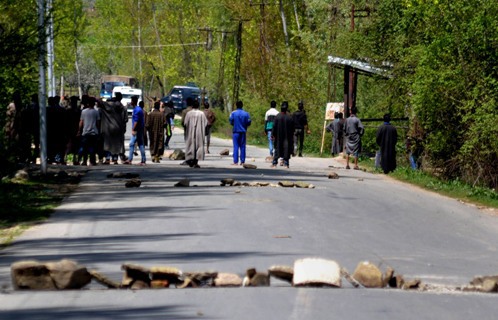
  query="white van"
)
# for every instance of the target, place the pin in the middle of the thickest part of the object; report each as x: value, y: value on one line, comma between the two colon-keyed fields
x: 127, y: 93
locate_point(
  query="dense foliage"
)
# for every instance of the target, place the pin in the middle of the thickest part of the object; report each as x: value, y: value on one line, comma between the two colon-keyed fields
x: 443, y: 53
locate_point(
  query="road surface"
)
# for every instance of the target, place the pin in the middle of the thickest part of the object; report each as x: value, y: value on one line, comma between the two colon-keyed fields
x: 360, y: 216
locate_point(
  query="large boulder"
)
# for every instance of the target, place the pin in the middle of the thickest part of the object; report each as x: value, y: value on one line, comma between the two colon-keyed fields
x: 284, y: 273
x: 256, y: 279
x: 62, y: 275
x: 135, y: 273
x: 227, y: 280
x: 369, y: 275
x: 67, y: 274
x: 31, y: 275
x: 317, y: 272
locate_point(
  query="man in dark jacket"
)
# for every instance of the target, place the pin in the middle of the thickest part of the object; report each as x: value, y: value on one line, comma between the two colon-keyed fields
x: 300, y: 126
x: 386, y: 138
x: 282, y: 135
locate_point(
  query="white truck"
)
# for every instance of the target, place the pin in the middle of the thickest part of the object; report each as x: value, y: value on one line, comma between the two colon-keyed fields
x: 127, y: 93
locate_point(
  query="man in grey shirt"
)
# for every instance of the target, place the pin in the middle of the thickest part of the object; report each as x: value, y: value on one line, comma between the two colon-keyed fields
x: 89, y: 131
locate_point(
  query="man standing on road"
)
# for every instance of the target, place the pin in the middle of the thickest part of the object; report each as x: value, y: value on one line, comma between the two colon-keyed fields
x: 195, y: 127
x: 386, y: 138
x: 137, y: 131
x: 300, y: 126
x: 170, y: 122
x: 282, y: 135
x: 156, y: 122
x: 190, y: 103
x: 353, y: 130
x: 113, y: 127
x: 269, y: 118
x: 240, y: 120
x: 211, y: 118
x: 89, y: 124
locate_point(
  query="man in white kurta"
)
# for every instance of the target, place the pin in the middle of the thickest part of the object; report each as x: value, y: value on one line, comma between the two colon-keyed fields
x: 195, y: 127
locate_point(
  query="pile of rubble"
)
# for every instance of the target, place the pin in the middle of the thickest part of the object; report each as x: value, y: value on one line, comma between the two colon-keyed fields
x: 308, y: 272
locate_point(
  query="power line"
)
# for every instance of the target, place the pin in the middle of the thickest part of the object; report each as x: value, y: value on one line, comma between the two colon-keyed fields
x: 150, y: 46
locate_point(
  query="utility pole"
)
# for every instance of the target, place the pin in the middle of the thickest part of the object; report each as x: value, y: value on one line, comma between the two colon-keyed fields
x: 42, y: 85
x: 238, y: 55
x: 50, y: 49
x: 236, y: 76
x: 349, y: 74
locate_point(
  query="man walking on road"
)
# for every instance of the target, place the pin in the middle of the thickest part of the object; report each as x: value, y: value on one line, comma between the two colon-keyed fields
x: 156, y: 122
x: 300, y: 126
x: 137, y: 131
x: 353, y: 130
x: 195, y: 127
x: 282, y: 135
x: 269, y: 118
x: 386, y: 138
x: 240, y: 120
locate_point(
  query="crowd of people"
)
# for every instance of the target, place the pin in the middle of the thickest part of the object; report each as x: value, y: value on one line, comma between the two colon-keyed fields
x: 91, y: 131
x: 87, y: 131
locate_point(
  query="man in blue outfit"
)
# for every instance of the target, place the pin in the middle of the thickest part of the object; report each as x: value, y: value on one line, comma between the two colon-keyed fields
x: 137, y: 131
x: 240, y: 120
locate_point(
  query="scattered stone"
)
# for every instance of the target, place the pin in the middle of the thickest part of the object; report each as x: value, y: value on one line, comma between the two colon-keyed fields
x: 237, y: 184
x: 361, y: 179
x: 31, y: 275
x: 284, y: 273
x: 316, y: 272
x: 225, y: 152
x: 269, y: 159
x: 387, y: 278
x: 411, y: 284
x: 227, y: 280
x: 333, y: 175
x: 256, y: 279
x: 178, y: 154
x: 478, y: 281
x: 133, y: 183
x: 67, y: 274
x: 346, y: 275
x: 227, y: 181
x: 489, y: 285
x: 198, y: 279
x: 301, y: 184
x: 237, y: 191
x: 249, y: 166
x: 263, y: 184
x: 103, y: 280
x: 170, y: 274
x: 122, y: 175
x: 183, y: 183
x: 253, y: 184
x: 134, y: 273
x: 286, y: 184
x: 399, y: 281
x: 368, y: 275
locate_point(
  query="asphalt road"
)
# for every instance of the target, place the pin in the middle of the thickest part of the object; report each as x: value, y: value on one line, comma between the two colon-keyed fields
x: 360, y: 216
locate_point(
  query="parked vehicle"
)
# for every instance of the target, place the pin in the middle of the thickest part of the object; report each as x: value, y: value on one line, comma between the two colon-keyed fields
x: 179, y: 94
x: 127, y: 93
x: 108, y: 83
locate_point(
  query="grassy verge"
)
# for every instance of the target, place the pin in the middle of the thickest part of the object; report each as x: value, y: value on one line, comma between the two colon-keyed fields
x: 26, y: 203
x: 455, y: 188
